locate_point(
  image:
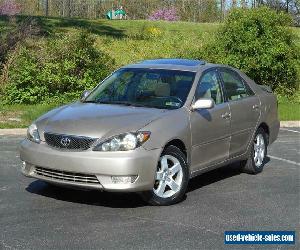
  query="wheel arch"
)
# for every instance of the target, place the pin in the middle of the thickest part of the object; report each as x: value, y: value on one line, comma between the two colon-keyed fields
x: 266, y: 128
x: 179, y: 144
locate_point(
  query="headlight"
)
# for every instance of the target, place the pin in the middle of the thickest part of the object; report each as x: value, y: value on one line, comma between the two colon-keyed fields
x: 124, y: 142
x: 33, y: 133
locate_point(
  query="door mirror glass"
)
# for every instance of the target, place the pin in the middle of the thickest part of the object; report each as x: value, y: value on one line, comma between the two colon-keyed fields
x: 203, y: 103
x: 84, y: 95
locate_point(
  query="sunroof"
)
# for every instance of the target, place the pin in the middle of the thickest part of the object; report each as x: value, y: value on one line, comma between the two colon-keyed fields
x: 183, y: 62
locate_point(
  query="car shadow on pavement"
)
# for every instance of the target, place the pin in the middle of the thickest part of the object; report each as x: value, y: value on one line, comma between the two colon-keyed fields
x: 88, y: 197
x: 124, y: 200
x: 216, y: 175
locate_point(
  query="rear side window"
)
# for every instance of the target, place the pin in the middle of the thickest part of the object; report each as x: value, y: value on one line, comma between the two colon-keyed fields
x: 234, y: 86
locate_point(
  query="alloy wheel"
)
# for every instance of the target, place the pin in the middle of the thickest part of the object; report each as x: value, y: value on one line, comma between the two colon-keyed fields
x: 259, y: 150
x: 169, y: 176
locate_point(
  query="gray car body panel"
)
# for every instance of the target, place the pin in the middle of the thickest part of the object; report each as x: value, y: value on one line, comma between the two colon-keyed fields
x: 209, y: 140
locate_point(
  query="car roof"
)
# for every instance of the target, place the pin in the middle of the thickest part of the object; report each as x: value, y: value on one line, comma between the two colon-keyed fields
x: 170, y: 63
x: 188, y: 65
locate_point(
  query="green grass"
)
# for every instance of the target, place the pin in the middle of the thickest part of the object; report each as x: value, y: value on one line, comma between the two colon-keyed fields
x: 24, y: 114
x: 289, y: 111
x: 175, y: 39
x: 121, y: 39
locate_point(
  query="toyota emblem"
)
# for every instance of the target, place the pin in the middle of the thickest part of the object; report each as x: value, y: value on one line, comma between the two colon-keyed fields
x: 65, y: 141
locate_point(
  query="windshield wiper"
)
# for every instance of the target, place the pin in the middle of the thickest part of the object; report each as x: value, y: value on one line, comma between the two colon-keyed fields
x: 116, y: 102
x: 124, y: 103
x: 111, y: 102
x: 134, y: 104
x: 90, y: 102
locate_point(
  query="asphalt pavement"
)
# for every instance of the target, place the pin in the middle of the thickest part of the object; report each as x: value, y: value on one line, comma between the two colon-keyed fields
x: 35, y: 215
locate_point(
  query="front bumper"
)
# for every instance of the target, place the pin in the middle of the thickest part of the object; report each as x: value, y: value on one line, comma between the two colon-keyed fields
x: 78, y: 168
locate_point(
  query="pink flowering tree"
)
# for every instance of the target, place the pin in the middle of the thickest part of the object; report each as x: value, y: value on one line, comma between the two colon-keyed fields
x: 166, y: 14
x: 10, y: 8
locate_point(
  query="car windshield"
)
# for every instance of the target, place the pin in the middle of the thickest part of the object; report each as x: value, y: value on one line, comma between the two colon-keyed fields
x: 155, y: 88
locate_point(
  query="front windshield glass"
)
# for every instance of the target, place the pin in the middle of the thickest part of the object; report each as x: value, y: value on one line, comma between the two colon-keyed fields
x: 155, y: 88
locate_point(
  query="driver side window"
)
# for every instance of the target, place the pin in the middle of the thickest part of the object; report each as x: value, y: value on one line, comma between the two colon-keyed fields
x: 209, y: 87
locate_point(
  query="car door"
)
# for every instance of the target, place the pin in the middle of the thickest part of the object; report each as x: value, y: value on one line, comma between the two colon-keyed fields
x: 210, y: 128
x: 244, y: 108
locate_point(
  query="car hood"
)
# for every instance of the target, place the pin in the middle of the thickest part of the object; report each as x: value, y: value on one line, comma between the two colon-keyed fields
x: 96, y: 120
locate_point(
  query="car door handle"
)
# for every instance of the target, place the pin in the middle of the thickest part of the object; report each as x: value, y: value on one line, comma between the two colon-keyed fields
x: 255, y: 106
x: 226, y: 115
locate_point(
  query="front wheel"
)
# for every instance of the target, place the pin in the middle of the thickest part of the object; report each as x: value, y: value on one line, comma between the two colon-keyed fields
x: 171, y: 178
x: 257, y: 157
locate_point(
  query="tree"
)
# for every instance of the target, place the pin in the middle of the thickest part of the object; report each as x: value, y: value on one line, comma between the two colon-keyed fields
x: 10, y: 8
x: 260, y: 43
x: 233, y: 3
x: 243, y: 3
x: 46, y: 7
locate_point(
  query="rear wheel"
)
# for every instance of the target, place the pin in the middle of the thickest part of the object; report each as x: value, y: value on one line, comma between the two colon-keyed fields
x: 257, y: 158
x: 171, y: 179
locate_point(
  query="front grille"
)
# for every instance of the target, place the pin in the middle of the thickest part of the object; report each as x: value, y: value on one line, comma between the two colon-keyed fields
x: 66, y: 176
x: 70, y: 142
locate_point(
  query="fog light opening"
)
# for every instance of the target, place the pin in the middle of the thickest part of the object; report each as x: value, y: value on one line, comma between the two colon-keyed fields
x: 123, y: 179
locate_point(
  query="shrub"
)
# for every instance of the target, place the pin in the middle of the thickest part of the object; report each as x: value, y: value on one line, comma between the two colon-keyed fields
x: 149, y: 32
x: 166, y: 14
x: 261, y: 44
x: 28, y: 27
x: 58, y: 69
x: 10, y: 8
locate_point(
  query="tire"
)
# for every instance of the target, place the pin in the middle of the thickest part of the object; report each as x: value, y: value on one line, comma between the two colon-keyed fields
x: 171, y: 180
x: 258, y: 152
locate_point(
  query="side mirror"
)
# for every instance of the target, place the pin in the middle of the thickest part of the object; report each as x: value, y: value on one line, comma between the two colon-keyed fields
x: 203, y: 103
x: 84, y: 95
